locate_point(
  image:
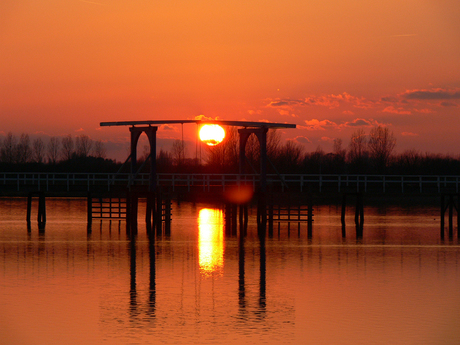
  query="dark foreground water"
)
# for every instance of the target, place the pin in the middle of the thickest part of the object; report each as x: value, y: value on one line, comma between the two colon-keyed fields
x: 399, y: 284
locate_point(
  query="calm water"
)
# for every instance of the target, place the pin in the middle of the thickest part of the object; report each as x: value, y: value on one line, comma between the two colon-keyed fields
x: 399, y: 284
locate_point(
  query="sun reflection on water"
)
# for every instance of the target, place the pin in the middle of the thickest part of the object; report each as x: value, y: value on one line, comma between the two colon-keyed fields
x: 211, y: 241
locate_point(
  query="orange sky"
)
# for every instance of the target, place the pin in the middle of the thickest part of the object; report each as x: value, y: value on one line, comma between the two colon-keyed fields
x: 328, y: 66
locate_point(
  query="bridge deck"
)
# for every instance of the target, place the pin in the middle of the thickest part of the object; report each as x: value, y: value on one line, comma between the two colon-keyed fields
x: 11, y: 182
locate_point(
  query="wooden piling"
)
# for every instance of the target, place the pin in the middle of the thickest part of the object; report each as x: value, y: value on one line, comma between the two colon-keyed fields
x: 442, y: 215
x: 89, y: 208
x: 451, y: 212
x: 41, y: 214
x: 29, y: 207
x: 342, y: 215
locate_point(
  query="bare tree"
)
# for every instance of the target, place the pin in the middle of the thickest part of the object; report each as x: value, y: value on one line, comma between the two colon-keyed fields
x: 38, y: 150
x: 83, y: 145
x: 8, y: 149
x: 357, y: 147
x: 289, y: 156
x: 339, y: 156
x: 273, y: 143
x: 164, y: 161
x: 67, y: 147
x: 224, y: 156
x: 381, y: 145
x: 53, y: 150
x: 99, y: 149
x: 338, y: 151
x: 23, y: 151
x: 178, y: 151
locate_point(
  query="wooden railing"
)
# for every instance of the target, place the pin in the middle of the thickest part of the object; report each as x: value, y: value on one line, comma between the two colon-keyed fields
x: 210, y: 182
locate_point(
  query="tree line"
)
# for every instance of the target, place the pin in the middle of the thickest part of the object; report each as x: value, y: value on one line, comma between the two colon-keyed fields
x: 66, y: 153
x: 366, y: 153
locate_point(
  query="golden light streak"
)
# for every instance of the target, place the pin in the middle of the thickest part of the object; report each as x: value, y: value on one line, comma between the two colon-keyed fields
x: 211, y: 241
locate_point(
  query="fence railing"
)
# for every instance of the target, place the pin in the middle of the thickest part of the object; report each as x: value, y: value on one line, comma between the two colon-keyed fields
x: 63, y: 182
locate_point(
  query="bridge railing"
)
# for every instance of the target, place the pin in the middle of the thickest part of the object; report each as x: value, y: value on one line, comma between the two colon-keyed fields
x: 23, y: 181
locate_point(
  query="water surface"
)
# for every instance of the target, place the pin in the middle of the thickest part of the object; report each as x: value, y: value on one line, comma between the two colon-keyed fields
x: 399, y: 284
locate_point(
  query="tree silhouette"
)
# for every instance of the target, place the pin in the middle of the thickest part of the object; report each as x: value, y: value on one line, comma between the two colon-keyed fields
x: 381, y: 145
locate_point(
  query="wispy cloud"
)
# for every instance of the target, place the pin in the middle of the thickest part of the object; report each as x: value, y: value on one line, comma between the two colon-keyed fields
x: 167, y: 128
x: 360, y: 123
x: 302, y: 140
x: 434, y: 94
x: 394, y: 110
x: 316, y: 124
x: 330, y: 101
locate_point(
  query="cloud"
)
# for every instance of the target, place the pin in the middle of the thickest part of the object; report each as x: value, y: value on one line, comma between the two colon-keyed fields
x: 449, y: 104
x: 327, y: 139
x: 389, y: 99
x: 286, y: 103
x: 424, y: 111
x: 409, y: 134
x: 433, y: 94
x: 394, y: 110
x: 359, y: 123
x: 203, y: 118
x: 315, y: 124
x: 334, y: 101
x: 302, y: 140
x: 330, y: 101
x: 167, y: 128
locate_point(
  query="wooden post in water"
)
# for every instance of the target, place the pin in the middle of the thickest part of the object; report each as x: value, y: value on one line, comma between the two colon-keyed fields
x: 228, y: 218
x: 442, y: 216
x: 451, y: 214
x: 342, y: 215
x: 234, y: 219
x: 131, y: 212
x: 450, y: 205
x: 457, y: 206
x: 150, y: 213
x: 29, y: 207
x: 89, y: 209
x: 159, y: 213
x: 359, y: 215
x: 270, y: 218
x: 41, y: 215
x: 167, y: 215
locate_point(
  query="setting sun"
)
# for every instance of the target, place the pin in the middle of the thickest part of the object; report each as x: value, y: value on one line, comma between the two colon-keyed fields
x: 212, y: 134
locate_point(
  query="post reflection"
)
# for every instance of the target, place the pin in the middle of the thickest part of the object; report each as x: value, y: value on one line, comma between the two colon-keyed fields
x: 242, y: 295
x: 134, y: 305
x: 211, y: 241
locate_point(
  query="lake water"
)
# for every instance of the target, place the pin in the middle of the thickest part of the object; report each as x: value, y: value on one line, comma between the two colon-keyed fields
x: 398, y: 284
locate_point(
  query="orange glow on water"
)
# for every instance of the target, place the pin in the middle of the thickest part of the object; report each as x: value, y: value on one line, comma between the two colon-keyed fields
x: 211, y: 241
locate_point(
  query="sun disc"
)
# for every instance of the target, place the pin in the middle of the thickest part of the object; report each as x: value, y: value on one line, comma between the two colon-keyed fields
x: 212, y: 134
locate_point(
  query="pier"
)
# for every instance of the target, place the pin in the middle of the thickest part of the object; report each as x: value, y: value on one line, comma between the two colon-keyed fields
x: 279, y: 197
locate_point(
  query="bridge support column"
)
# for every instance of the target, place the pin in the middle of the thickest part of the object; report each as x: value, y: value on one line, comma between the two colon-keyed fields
x: 151, y: 133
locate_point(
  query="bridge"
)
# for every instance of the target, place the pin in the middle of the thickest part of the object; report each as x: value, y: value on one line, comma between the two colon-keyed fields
x: 13, y: 183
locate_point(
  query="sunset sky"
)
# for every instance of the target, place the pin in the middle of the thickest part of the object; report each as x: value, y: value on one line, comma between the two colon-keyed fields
x: 329, y: 66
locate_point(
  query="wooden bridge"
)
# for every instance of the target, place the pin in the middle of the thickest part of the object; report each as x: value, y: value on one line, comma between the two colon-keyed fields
x: 71, y: 183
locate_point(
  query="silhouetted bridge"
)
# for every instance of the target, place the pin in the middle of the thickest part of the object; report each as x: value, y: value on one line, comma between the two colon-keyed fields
x: 71, y: 183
